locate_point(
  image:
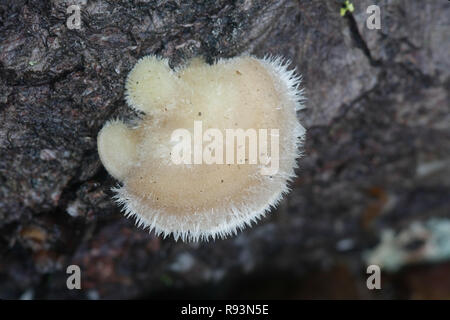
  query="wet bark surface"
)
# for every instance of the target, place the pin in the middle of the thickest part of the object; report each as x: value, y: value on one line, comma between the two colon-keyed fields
x: 377, y: 153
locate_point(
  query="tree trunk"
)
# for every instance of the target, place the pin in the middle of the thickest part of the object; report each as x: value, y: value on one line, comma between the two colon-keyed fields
x: 373, y: 185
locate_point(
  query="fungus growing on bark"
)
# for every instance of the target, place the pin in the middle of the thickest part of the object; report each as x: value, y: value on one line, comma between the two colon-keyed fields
x: 214, y: 149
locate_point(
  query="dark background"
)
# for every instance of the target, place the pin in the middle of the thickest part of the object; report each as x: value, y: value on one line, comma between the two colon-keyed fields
x: 373, y: 186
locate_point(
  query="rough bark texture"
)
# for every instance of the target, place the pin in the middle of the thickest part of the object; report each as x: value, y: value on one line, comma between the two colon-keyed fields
x: 377, y: 154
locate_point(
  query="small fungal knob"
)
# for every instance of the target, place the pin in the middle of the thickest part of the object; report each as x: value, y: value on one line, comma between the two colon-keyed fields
x: 214, y: 149
x: 117, y: 148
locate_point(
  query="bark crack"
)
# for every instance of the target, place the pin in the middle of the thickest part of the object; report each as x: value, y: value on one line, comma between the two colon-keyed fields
x: 359, y: 40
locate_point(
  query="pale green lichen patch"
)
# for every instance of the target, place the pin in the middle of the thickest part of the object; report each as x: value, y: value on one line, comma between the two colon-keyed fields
x: 419, y: 243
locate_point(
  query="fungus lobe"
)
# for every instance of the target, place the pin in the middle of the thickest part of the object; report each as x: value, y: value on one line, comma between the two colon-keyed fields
x: 204, y: 199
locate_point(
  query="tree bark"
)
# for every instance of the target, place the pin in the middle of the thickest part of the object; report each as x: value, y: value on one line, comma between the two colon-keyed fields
x: 376, y: 158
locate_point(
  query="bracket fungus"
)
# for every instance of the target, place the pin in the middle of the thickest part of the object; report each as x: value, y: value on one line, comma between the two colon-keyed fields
x: 181, y: 171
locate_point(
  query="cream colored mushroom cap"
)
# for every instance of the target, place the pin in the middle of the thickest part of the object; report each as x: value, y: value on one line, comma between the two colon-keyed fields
x: 203, y: 201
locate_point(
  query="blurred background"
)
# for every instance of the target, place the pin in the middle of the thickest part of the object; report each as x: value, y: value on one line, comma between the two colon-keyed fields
x: 373, y: 186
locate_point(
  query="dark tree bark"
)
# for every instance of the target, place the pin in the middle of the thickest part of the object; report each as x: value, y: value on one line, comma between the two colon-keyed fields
x: 377, y: 153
